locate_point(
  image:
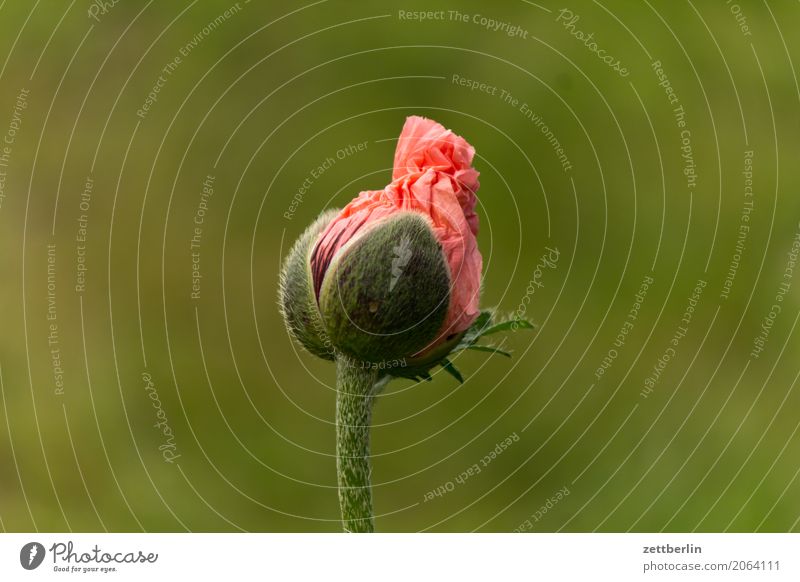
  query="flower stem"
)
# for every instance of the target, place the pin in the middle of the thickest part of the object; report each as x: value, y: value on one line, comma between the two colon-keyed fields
x: 355, y: 389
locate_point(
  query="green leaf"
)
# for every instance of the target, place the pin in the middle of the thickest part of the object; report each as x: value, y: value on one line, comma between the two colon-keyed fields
x: 448, y: 366
x: 480, y: 327
x: 506, y: 325
x: 489, y: 349
x: 476, y: 329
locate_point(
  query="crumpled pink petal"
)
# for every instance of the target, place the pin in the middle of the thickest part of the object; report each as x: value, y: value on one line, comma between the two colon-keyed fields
x: 433, y: 175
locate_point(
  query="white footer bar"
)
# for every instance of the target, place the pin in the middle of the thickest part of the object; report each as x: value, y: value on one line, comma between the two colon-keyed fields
x: 389, y: 557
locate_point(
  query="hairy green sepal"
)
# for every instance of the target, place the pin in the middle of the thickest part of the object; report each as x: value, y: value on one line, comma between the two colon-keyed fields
x: 297, y: 301
x: 386, y: 295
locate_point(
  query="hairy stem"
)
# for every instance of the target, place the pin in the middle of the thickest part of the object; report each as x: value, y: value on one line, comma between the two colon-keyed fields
x: 355, y: 389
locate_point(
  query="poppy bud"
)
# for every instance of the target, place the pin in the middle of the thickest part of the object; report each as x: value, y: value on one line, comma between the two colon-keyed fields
x: 397, y: 271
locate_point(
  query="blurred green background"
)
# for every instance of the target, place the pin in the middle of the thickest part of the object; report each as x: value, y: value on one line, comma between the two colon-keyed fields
x: 262, y: 94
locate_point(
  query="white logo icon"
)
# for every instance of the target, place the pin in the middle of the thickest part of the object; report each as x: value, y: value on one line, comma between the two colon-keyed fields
x: 402, y: 254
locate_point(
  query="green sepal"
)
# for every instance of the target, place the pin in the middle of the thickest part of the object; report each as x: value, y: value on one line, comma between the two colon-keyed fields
x: 490, y: 350
x: 420, y: 368
x: 385, y: 295
x: 296, y: 293
x: 448, y: 367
